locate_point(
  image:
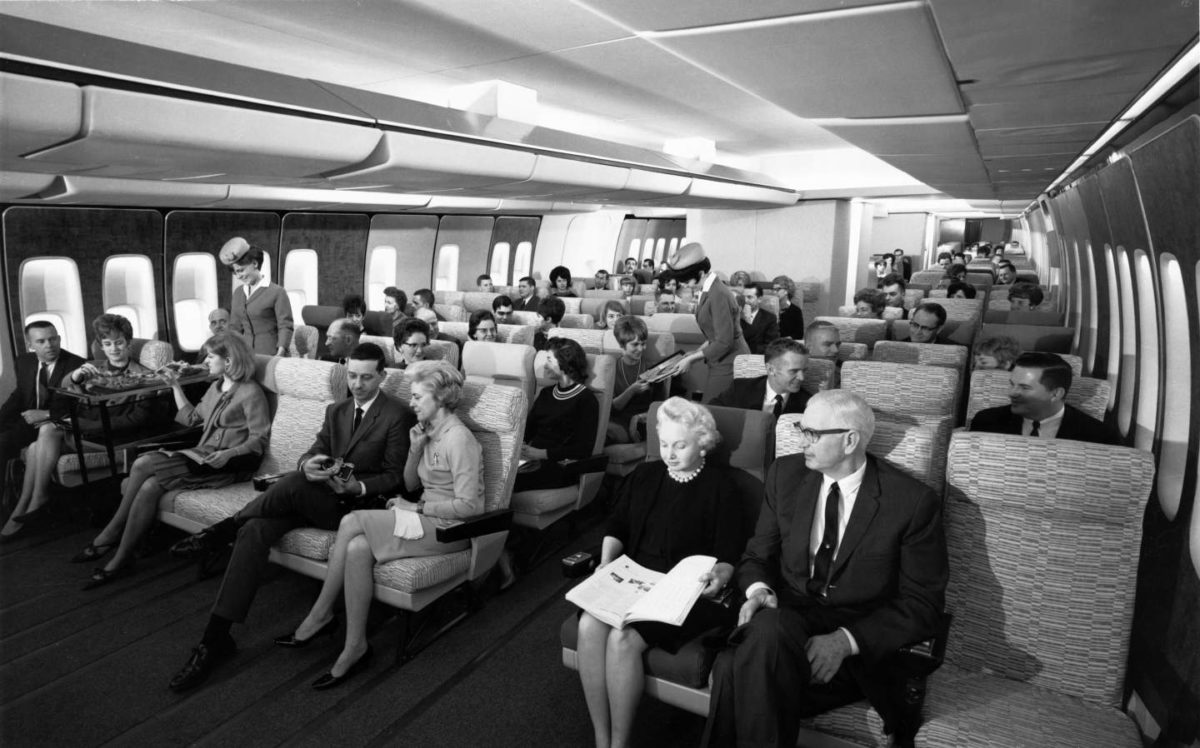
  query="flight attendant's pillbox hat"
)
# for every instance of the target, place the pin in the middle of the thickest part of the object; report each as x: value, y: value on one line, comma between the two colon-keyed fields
x: 686, y: 256
x: 234, y: 250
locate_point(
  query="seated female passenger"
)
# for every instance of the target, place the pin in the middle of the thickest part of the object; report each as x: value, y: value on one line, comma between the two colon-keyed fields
x: 237, y: 426
x: 445, y: 466
x: 482, y: 326
x: 961, y: 290
x: 395, y: 302
x: 633, y: 396
x: 354, y: 308
x: 114, y: 334
x: 411, y: 339
x: 612, y: 311
x: 869, y: 304
x: 666, y: 511
x: 999, y: 352
x: 562, y: 422
x: 560, y: 282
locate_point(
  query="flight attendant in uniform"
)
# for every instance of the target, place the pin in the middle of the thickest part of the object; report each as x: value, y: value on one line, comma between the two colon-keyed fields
x: 716, y: 313
x: 260, y: 311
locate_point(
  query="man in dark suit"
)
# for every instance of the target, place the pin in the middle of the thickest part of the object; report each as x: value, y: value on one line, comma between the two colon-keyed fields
x: 893, y: 286
x: 779, y: 390
x: 340, y: 339
x: 369, y: 430
x: 1038, y: 386
x: 32, y: 403
x: 847, y: 564
x: 925, y: 324
x: 759, y: 327
x: 527, y: 300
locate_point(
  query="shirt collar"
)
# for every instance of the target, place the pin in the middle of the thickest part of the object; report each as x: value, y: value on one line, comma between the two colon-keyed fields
x: 1051, y: 419
x: 262, y: 283
x: 367, y: 405
x: 848, y: 485
x: 708, y: 282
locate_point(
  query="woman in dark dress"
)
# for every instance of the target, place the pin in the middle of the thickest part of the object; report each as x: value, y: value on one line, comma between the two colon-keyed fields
x: 562, y: 422
x: 633, y: 395
x: 666, y: 511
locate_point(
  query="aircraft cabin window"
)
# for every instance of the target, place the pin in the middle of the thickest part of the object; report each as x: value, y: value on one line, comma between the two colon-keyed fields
x: 50, y: 291
x: 1091, y: 315
x: 672, y: 246
x: 1128, y: 377
x: 129, y: 292
x: 498, y: 267
x: 523, y: 264
x: 647, y: 249
x: 1177, y: 394
x: 300, y: 280
x: 194, y: 289
x: 1114, y: 325
x: 445, y: 270
x: 1147, y: 378
x: 381, y: 273
x: 660, y: 249
x: 635, y: 248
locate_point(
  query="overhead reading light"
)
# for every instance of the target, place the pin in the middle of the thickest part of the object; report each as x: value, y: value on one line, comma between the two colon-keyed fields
x: 1167, y: 80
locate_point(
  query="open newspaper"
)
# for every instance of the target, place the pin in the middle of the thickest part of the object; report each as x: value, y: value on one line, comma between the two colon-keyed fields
x: 624, y: 591
x: 195, y: 454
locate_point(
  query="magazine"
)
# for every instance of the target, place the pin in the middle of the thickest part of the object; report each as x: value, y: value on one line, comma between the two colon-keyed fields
x: 195, y: 454
x: 625, y: 592
x: 661, y: 370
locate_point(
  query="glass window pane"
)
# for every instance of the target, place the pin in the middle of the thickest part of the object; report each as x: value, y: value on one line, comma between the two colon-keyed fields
x: 499, y: 266
x: 445, y: 274
x: 129, y: 291
x: 300, y: 280
x: 523, y: 263
x: 1147, y: 377
x: 194, y: 289
x: 50, y: 291
x: 1114, y: 325
x: 1128, y: 343
x: 381, y: 273
x: 1177, y: 385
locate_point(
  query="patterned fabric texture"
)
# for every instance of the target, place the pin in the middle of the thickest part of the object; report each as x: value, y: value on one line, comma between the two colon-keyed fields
x: 155, y: 354
x: 580, y: 321
x: 304, y: 342
x: 989, y: 389
x: 572, y: 304
x: 450, y: 312
x: 855, y: 330
x: 475, y: 300
x: 454, y: 298
x: 592, y: 341
x: 819, y: 373
x: 853, y: 352
x: 927, y: 354
x: 910, y: 447
x: 1042, y: 578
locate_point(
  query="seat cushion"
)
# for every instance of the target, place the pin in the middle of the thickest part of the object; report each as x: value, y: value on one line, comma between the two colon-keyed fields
x: 413, y: 574
x: 543, y: 500
x: 690, y: 666
x: 208, y: 506
x: 308, y: 542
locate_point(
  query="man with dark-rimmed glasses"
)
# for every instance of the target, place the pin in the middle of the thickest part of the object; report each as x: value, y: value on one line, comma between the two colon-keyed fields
x: 847, y: 564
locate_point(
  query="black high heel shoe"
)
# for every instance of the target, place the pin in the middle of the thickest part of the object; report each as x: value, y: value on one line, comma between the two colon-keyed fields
x: 329, y: 680
x: 32, y: 514
x: 102, y: 576
x: 291, y: 642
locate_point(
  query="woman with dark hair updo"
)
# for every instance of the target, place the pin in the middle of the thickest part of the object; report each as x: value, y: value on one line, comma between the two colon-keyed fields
x: 562, y: 422
x: 560, y: 282
x: 237, y: 427
x: 261, y: 311
x: 665, y: 511
x: 482, y: 326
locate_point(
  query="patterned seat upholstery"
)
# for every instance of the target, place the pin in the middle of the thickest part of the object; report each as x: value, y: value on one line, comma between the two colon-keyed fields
x: 578, y: 321
x: 519, y: 334
x: 572, y: 304
x: 855, y: 330
x: 1033, y: 337
x: 592, y: 341
x: 500, y: 363
x: 451, y: 312
x: 989, y: 389
x: 1041, y: 587
x: 906, y: 445
x: 443, y: 350
x: 473, y: 301
x: 305, y: 340
x: 910, y: 394
x: 530, y: 319
x: 913, y: 296
x: 928, y: 354
x: 448, y: 298
x: 541, y: 508
x: 819, y: 373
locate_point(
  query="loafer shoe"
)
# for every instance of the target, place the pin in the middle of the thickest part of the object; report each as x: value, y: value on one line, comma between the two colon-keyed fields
x: 204, y: 659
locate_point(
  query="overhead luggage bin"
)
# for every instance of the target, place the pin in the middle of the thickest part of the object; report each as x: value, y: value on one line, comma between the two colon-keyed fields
x: 455, y: 204
x: 35, y: 114
x: 407, y: 162
x: 709, y: 192
x: 558, y: 177
x: 643, y: 185
x: 15, y: 185
x: 139, y: 135
x: 83, y: 190
x: 250, y: 196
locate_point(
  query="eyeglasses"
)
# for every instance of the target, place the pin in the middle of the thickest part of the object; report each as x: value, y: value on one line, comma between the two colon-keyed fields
x: 811, y: 436
x: 923, y: 328
x: 416, y: 345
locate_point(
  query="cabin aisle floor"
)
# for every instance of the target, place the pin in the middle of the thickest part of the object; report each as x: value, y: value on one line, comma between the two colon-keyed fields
x: 91, y: 668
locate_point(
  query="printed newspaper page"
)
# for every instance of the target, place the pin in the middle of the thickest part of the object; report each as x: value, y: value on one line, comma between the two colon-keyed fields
x: 624, y: 591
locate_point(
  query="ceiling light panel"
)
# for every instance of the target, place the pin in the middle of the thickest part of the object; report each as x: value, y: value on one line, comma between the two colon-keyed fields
x: 881, y: 61
x: 916, y: 136
x: 660, y: 16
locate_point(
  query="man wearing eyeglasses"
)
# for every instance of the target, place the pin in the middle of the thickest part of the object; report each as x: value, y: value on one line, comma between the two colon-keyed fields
x: 847, y: 565
x: 926, y: 323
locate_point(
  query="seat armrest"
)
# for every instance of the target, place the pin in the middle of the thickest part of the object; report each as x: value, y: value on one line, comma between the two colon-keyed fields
x: 594, y: 464
x: 922, y: 658
x: 581, y: 564
x: 485, y: 524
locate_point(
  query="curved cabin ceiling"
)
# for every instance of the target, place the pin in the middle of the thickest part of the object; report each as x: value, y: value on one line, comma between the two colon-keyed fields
x: 973, y: 99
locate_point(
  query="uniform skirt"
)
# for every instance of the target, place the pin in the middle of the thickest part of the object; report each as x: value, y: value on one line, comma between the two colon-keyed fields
x: 379, y: 529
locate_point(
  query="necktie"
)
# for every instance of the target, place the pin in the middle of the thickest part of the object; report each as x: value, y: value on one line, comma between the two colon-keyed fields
x: 778, y: 409
x: 823, y: 564
x: 43, y: 380
x: 1036, y: 430
x: 357, y: 419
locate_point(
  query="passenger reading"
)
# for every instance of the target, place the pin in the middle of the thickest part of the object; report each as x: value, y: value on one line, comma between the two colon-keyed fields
x: 626, y: 592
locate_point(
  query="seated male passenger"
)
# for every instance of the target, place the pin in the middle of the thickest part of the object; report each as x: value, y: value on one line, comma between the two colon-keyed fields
x: 369, y: 430
x: 868, y: 304
x: 1006, y: 273
x: 997, y: 352
x: 893, y: 287
x: 430, y: 318
x: 668, y: 510
x: 926, y: 323
x: 665, y: 303
x: 847, y: 564
x: 550, y: 312
x: 502, y: 308
x: 423, y: 299
x: 943, y: 260
x: 601, y: 279
x: 340, y: 339
x: 218, y: 321
x: 484, y: 282
x: 780, y: 390
x: 354, y: 308
x: 823, y: 340
x: 759, y: 327
x: 1025, y: 297
x: 1038, y: 386
x: 791, y: 319
x: 30, y: 407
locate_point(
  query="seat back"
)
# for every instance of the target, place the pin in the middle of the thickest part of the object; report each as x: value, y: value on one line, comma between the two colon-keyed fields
x: 1033, y: 337
x: 1000, y: 314
x: 927, y: 354
x: 571, y: 304
x: 500, y: 363
x: 450, y: 312
x: 683, y: 327
x: 853, y: 352
x: 592, y: 341
x: 906, y: 445
x: 1042, y: 578
x: 386, y: 343
x: 819, y: 373
x: 603, y: 293
x: 578, y: 321
x: 473, y: 301
x: 989, y: 389
x: 443, y: 350
x: 153, y: 354
x: 913, y: 296
x: 448, y: 298
x: 527, y: 318
x: 304, y: 342
x: 298, y: 385
x: 855, y: 330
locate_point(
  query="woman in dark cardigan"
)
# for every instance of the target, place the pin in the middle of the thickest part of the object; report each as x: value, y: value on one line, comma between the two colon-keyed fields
x: 562, y: 422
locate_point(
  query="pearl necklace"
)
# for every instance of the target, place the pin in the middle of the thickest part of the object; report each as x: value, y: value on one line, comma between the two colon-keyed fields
x: 686, y: 477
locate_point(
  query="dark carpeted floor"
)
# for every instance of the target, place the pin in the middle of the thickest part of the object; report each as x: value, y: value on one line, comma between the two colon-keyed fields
x: 91, y: 668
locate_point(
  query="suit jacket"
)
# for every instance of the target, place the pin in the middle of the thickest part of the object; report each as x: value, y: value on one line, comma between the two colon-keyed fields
x: 24, y: 397
x: 748, y: 394
x: 527, y: 305
x: 890, y: 573
x: 791, y: 322
x: 378, y: 449
x: 761, y: 332
x: 719, y: 321
x: 264, y: 320
x: 1076, y: 425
